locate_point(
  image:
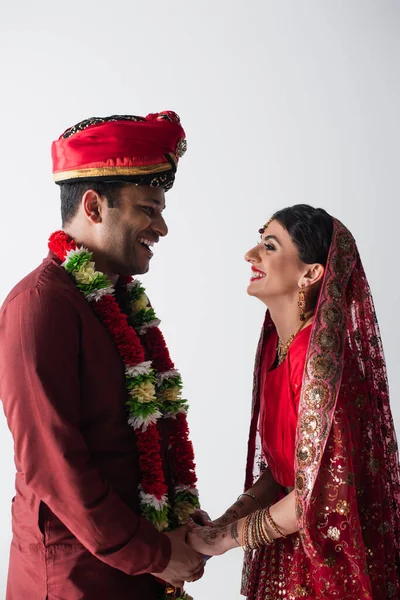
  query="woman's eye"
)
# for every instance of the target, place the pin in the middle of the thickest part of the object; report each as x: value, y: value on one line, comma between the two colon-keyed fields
x: 269, y: 247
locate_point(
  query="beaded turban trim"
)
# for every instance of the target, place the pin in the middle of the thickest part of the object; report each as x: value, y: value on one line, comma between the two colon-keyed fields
x: 141, y: 150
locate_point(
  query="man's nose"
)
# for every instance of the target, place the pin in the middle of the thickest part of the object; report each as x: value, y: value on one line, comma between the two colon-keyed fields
x: 160, y: 226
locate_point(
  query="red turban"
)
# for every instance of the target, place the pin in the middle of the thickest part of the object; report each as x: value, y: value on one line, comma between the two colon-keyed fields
x: 142, y: 150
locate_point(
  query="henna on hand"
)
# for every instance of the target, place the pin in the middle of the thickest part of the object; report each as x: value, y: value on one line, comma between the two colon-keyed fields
x: 211, y: 535
x: 235, y: 533
x: 232, y: 514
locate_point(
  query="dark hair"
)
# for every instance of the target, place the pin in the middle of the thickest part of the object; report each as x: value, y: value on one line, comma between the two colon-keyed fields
x: 71, y: 195
x: 310, y: 229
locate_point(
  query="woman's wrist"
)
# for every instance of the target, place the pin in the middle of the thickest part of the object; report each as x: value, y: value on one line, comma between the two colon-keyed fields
x: 253, y: 531
x: 237, y: 532
x: 243, y: 506
x: 230, y: 537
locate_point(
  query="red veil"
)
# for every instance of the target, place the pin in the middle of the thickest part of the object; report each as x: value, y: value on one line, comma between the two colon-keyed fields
x: 347, y: 477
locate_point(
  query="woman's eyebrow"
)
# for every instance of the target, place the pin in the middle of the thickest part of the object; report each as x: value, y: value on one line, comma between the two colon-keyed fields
x: 272, y: 237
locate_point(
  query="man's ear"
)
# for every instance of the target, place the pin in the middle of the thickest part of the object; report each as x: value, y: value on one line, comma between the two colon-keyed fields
x: 93, y: 206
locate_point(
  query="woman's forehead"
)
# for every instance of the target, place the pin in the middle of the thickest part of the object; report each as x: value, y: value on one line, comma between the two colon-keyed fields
x: 273, y: 227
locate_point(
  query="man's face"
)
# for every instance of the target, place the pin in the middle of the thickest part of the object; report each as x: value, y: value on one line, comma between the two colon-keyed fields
x: 128, y: 231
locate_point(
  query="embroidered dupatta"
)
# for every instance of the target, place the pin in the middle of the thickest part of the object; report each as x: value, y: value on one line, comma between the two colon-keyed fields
x: 347, y: 476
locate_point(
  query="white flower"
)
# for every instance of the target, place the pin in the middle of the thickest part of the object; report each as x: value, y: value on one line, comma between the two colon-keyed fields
x: 133, y: 284
x: 172, y: 415
x: 155, y: 323
x: 97, y: 295
x: 151, y: 500
x: 334, y: 533
x: 187, y: 488
x: 173, y: 373
x: 143, y: 423
x: 143, y: 368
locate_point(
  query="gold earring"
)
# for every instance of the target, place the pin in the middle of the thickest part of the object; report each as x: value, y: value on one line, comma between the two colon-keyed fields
x: 302, y: 304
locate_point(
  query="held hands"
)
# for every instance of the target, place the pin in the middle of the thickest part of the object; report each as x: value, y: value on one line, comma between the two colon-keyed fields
x: 191, y: 543
x: 185, y: 564
x: 213, y: 541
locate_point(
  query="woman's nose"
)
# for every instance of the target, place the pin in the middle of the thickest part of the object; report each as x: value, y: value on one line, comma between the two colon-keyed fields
x: 251, y: 255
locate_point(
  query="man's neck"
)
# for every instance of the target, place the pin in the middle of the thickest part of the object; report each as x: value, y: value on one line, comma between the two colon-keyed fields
x: 101, y: 264
x: 112, y: 277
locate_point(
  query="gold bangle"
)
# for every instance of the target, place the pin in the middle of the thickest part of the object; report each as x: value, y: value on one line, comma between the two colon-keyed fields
x: 253, y: 543
x: 273, y: 524
x: 257, y: 530
x: 245, y: 543
x: 255, y: 534
x: 244, y: 534
x: 251, y: 495
x: 267, y: 537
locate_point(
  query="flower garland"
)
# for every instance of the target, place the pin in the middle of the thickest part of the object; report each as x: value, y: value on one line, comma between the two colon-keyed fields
x: 152, y: 383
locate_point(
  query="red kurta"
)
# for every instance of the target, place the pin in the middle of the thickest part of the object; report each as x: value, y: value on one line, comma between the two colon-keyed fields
x: 76, y: 529
x: 279, y: 402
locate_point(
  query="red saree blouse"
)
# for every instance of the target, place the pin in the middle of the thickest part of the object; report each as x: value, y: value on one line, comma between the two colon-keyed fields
x: 279, y: 401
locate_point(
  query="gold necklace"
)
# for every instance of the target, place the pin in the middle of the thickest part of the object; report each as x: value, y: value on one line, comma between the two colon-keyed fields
x: 283, y: 349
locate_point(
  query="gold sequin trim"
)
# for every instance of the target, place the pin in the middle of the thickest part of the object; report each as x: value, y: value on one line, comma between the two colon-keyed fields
x: 322, y: 367
x: 317, y: 395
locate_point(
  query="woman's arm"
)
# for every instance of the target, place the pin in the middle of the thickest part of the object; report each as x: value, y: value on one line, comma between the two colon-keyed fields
x: 263, y: 493
x: 212, y: 541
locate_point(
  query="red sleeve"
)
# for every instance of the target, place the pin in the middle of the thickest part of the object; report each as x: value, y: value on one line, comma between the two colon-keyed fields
x: 39, y: 385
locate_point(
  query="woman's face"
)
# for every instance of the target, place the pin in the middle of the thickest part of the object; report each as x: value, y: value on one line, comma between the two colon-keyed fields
x: 277, y: 270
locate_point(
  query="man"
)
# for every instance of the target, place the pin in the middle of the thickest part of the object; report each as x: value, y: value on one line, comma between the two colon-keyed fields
x: 100, y: 472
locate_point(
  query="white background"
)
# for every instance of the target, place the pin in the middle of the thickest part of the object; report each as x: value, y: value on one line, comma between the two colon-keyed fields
x: 283, y: 102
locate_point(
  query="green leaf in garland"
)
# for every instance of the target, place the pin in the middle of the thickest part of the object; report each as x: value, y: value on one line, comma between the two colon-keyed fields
x: 132, y: 382
x: 141, y: 409
x: 136, y: 292
x: 159, y: 518
x: 99, y: 282
x: 174, y: 408
x: 170, y: 383
x: 186, y: 496
x: 77, y: 261
x: 143, y: 316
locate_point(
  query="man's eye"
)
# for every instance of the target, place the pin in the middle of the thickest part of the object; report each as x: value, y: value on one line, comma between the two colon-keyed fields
x: 149, y: 210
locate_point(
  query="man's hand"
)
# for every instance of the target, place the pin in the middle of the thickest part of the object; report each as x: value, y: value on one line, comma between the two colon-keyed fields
x: 201, y: 517
x: 185, y: 564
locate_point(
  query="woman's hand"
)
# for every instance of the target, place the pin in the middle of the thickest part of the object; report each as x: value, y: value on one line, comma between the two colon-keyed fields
x: 214, y: 541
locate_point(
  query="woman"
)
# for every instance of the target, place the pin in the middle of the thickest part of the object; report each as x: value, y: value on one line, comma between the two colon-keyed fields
x: 323, y: 518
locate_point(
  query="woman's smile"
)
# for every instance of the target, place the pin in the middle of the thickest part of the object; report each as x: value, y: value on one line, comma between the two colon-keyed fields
x: 256, y: 274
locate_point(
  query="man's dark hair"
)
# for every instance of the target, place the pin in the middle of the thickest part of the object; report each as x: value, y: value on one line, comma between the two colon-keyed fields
x: 71, y: 195
x: 310, y: 229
